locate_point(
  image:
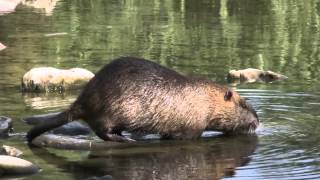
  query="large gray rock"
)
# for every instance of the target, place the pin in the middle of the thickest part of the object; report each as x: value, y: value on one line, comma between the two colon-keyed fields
x: 49, y: 79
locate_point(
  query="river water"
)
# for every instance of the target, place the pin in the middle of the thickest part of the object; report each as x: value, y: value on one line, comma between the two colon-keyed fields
x: 206, y: 38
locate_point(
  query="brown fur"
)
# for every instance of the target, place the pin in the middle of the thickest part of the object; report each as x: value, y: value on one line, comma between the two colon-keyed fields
x: 137, y: 95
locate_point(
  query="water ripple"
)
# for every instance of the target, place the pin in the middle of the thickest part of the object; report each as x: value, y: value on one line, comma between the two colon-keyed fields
x: 288, y: 147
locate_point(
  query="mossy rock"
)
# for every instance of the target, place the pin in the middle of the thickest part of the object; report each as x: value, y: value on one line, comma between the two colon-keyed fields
x: 251, y: 75
x: 49, y: 79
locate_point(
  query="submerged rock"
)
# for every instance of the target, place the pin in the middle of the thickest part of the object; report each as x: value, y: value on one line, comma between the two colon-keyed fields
x: 49, y: 79
x: 5, y: 126
x: 251, y: 75
x: 13, y: 166
x: 10, y: 151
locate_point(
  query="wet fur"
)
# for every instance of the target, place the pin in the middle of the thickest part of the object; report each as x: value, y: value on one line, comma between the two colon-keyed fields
x: 137, y: 95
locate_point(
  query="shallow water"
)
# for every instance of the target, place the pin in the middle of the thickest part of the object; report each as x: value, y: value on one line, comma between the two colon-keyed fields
x: 205, y: 38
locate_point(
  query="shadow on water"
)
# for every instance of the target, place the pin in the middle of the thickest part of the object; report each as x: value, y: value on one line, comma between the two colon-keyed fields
x: 210, y: 158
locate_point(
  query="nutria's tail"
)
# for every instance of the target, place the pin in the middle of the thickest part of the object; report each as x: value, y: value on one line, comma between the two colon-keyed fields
x: 50, y: 122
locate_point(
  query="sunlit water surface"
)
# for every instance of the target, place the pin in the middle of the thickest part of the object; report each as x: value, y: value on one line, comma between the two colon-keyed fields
x: 205, y: 38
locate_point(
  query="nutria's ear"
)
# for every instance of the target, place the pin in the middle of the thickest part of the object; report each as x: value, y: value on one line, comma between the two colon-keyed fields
x: 228, y: 95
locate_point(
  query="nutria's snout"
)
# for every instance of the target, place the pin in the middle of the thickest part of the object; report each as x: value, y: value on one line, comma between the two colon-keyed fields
x: 253, y: 122
x: 249, y: 119
x: 246, y: 124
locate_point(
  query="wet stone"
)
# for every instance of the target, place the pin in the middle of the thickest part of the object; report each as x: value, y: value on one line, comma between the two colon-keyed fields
x: 10, y: 151
x: 16, y: 166
x: 5, y: 126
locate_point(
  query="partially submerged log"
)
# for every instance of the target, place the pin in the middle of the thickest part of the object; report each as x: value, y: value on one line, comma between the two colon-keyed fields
x: 15, y: 166
x: 49, y: 79
x: 73, y: 143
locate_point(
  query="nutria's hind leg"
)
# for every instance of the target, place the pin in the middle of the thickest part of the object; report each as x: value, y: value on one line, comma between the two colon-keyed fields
x: 109, y: 135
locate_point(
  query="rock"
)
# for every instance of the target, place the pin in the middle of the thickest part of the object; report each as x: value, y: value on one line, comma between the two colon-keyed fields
x: 8, y: 6
x: 49, y: 79
x: 10, y: 151
x: 251, y: 75
x: 44, y: 6
x: 2, y: 46
x: 13, y: 166
x: 73, y: 128
x: 5, y: 126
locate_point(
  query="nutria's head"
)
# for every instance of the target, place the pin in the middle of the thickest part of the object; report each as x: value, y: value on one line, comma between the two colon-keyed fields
x: 231, y: 114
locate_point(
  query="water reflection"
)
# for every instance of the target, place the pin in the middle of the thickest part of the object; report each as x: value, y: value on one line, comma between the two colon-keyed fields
x: 48, y: 100
x: 213, y: 158
x: 225, y: 35
x: 289, y: 147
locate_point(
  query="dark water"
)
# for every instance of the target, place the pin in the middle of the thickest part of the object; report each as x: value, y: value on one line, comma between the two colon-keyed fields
x: 205, y: 38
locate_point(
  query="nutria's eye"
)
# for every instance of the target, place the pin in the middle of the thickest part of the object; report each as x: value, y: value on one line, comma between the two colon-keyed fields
x: 228, y: 95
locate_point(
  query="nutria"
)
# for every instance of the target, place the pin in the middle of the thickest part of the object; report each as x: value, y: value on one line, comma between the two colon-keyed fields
x: 138, y: 95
